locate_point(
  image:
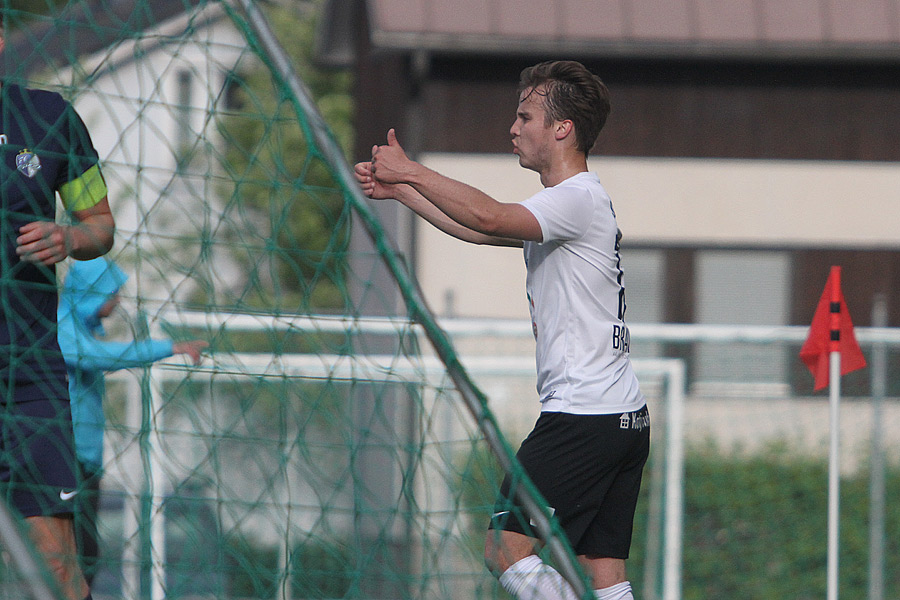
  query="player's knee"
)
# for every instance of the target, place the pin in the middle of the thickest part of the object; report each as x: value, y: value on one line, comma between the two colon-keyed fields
x: 502, y: 549
x: 491, y: 555
x: 57, y: 567
x: 62, y: 571
x: 496, y: 554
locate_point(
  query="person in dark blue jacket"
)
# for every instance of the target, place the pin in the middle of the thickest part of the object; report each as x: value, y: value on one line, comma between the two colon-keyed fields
x: 91, y: 293
x: 46, y: 157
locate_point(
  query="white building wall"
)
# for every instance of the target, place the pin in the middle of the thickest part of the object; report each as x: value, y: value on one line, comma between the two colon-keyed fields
x: 659, y: 202
x: 129, y: 97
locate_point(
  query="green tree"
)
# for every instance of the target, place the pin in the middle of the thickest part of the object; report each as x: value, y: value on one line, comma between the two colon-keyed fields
x: 295, y: 254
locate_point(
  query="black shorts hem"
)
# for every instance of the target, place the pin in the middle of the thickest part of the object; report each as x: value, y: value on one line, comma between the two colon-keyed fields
x: 589, y: 469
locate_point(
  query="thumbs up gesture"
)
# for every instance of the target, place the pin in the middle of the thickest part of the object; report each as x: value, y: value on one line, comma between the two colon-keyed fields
x: 390, y: 163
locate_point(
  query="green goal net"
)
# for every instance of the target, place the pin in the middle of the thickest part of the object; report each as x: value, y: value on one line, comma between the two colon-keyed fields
x: 329, y: 445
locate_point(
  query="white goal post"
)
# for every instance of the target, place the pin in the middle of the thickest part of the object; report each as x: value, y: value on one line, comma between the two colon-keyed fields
x: 665, y: 484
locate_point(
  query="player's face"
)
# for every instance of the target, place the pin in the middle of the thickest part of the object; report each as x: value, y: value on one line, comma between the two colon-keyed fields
x: 531, y: 136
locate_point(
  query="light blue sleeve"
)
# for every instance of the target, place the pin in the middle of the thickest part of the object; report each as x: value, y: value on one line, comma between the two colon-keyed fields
x: 87, y: 353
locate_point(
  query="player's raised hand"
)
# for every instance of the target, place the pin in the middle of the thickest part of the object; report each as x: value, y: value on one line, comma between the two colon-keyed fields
x: 363, y: 172
x: 390, y: 163
x: 370, y: 187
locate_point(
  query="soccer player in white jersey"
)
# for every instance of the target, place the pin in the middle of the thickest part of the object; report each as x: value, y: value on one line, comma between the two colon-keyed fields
x: 588, y: 448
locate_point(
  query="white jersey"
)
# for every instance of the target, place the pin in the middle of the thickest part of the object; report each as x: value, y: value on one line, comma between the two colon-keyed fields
x: 576, y: 294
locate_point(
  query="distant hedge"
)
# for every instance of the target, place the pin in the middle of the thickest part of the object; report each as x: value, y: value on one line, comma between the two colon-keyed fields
x: 756, y: 528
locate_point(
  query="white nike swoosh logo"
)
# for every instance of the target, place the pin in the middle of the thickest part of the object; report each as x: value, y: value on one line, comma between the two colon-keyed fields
x: 64, y: 495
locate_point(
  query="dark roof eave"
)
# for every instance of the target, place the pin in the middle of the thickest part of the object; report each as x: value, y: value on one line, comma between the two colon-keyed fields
x: 82, y: 29
x: 446, y: 43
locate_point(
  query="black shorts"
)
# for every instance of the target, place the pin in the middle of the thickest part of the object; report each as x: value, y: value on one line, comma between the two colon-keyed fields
x: 37, y: 448
x: 588, y: 468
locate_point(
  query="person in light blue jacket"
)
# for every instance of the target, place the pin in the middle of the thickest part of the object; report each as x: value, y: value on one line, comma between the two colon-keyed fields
x: 91, y: 293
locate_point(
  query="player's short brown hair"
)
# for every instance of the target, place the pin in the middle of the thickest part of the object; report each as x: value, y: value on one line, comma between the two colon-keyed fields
x: 570, y: 91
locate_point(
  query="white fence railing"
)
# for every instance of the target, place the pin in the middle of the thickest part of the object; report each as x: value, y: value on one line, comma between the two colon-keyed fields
x: 664, y: 545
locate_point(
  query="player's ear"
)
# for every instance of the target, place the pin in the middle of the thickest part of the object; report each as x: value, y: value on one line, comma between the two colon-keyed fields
x: 564, y: 129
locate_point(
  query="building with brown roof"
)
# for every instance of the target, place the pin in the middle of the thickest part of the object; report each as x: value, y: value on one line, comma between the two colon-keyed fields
x: 751, y: 145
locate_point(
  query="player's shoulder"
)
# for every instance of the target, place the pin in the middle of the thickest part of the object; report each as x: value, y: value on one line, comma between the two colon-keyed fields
x: 44, y: 102
x: 586, y: 179
x: 583, y: 187
x: 51, y: 102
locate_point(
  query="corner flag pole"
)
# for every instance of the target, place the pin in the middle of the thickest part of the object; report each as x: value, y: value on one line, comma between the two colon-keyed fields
x: 829, y: 352
x: 834, y: 469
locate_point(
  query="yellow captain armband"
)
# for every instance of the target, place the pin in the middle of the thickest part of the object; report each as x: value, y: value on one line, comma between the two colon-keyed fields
x: 85, y: 191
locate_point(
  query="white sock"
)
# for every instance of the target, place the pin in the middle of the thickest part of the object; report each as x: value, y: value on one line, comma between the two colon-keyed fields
x: 532, y: 579
x: 620, y: 591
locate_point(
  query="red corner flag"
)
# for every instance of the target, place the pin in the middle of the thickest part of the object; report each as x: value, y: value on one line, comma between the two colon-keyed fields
x: 831, y: 331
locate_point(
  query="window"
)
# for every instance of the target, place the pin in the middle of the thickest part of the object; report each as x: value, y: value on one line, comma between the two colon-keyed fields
x: 746, y: 288
x: 644, y: 294
x: 184, y: 137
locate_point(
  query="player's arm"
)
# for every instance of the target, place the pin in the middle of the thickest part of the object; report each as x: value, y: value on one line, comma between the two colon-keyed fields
x: 461, y: 202
x: 48, y: 243
x: 412, y: 199
x: 91, y: 235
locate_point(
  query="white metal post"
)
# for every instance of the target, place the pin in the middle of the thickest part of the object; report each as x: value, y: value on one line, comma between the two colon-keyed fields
x: 834, y: 473
x: 674, y: 509
x: 131, y: 510
x: 157, y: 492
